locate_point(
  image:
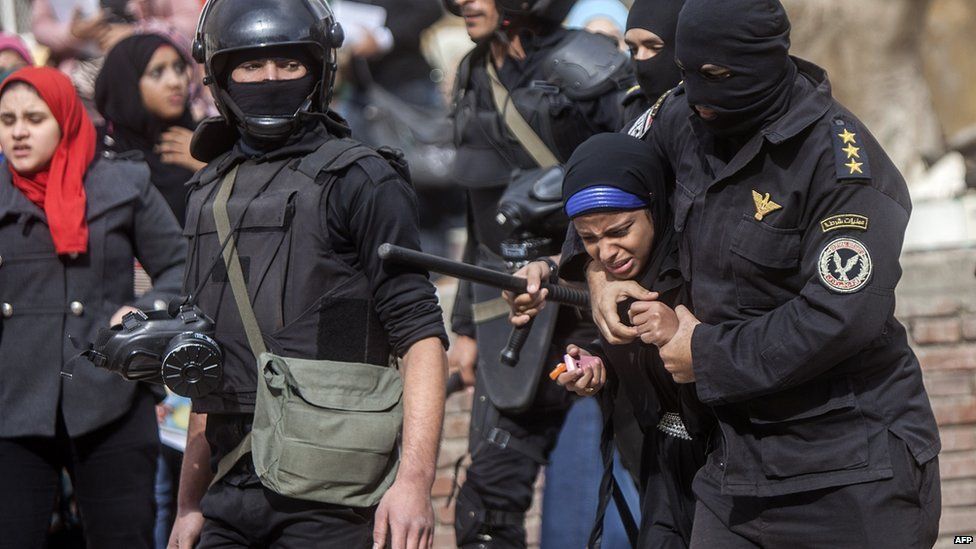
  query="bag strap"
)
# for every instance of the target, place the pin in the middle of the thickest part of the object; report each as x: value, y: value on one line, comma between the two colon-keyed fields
x: 239, y: 289
x: 609, y: 487
x: 517, y: 124
x: 234, y: 272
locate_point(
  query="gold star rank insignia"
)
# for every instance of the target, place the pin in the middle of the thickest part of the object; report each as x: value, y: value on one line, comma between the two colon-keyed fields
x: 850, y: 156
x: 847, y: 136
x: 764, y: 205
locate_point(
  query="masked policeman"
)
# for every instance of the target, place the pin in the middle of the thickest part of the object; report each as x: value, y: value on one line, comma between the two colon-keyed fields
x: 790, y: 219
x: 650, y: 38
x: 284, y: 223
x: 525, y: 97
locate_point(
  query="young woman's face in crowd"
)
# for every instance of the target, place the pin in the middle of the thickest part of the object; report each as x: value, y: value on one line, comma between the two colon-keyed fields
x: 165, y: 84
x: 29, y: 134
x: 643, y: 44
x: 620, y: 242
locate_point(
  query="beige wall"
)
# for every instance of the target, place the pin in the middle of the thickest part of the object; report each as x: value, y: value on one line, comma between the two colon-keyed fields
x: 948, y: 51
x: 905, y: 67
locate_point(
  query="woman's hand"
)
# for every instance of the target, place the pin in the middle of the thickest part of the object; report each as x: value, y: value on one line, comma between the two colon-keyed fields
x: 656, y: 323
x: 584, y: 381
x: 605, y: 293
x: 112, y: 34
x: 87, y: 28
x: 174, y: 148
x: 117, y: 317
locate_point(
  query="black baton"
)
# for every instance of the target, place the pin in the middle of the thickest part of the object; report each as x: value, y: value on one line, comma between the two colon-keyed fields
x: 564, y: 295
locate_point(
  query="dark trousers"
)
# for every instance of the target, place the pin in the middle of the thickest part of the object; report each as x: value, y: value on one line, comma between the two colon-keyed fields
x: 249, y: 515
x: 902, y: 511
x: 668, y: 502
x: 500, y: 482
x: 112, y: 471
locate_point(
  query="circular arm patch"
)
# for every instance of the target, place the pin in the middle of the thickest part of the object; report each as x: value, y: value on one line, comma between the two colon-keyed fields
x: 845, y: 265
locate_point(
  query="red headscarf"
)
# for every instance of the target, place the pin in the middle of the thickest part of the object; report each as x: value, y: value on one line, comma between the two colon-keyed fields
x: 60, y: 190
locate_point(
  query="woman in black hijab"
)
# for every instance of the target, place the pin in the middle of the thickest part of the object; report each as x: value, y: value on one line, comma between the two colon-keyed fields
x: 651, y: 26
x: 143, y: 94
x: 617, y: 197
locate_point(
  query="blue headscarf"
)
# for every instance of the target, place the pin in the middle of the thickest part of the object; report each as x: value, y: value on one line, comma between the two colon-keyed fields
x: 612, y: 172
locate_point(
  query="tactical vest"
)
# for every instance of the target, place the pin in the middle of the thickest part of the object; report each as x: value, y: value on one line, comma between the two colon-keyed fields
x: 309, y: 303
x: 581, y: 67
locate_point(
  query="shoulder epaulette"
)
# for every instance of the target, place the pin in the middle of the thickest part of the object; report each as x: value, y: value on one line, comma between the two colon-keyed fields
x: 850, y: 157
x: 643, y: 123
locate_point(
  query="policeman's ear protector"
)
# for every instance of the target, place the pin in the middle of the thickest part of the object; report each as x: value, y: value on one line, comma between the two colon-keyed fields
x: 533, y: 203
x: 177, y: 350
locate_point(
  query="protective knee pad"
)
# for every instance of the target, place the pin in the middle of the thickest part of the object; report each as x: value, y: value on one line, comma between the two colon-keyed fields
x: 476, y: 527
x: 469, y: 517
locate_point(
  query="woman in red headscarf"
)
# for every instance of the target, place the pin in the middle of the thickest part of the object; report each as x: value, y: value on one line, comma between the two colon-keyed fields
x: 71, y: 225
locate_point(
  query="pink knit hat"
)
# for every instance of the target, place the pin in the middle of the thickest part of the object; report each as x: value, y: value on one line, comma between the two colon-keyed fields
x: 17, y: 45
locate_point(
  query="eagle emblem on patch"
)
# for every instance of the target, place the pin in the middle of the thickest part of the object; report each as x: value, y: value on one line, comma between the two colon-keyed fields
x: 845, y: 265
x: 642, y: 125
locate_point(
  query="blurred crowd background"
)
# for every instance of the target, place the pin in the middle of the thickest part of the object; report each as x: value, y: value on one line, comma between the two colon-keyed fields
x: 905, y: 67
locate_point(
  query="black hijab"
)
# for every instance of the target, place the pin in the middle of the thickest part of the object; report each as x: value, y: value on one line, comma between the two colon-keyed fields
x: 752, y: 39
x: 606, y: 170
x: 128, y: 125
x: 619, y: 161
x: 659, y: 73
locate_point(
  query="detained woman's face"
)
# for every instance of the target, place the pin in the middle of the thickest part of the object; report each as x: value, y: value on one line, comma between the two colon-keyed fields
x: 621, y: 242
x: 29, y: 133
x: 165, y: 84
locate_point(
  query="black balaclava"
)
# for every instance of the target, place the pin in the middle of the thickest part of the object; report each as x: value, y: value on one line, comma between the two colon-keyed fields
x: 659, y: 73
x: 272, y: 97
x: 752, y: 39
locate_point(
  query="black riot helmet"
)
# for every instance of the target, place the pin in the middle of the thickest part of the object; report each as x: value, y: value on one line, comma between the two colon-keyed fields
x: 554, y: 11
x: 228, y: 28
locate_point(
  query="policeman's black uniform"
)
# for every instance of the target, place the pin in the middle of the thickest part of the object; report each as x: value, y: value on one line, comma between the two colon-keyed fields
x: 309, y: 208
x: 792, y: 247
x: 818, y: 395
x: 499, y: 483
x: 308, y: 244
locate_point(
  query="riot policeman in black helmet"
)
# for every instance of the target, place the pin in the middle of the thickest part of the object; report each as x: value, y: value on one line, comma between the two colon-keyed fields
x: 525, y: 97
x: 300, y: 443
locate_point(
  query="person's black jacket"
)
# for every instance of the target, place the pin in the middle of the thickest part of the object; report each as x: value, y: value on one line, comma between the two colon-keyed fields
x: 792, y: 249
x: 48, y: 298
